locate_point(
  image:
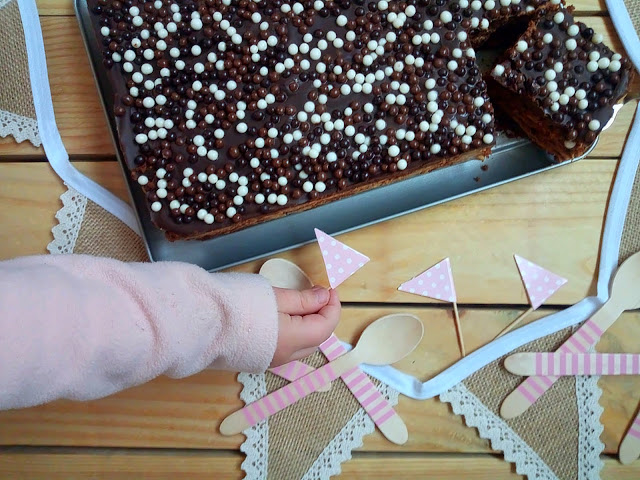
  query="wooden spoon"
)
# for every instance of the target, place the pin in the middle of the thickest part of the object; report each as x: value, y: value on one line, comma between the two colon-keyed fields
x: 624, y: 296
x: 282, y: 273
x: 285, y: 274
x: 385, y: 341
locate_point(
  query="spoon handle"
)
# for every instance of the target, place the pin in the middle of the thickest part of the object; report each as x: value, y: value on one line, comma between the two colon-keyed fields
x: 280, y: 399
x: 529, y: 391
x: 629, y: 450
x: 569, y: 364
x: 363, y: 389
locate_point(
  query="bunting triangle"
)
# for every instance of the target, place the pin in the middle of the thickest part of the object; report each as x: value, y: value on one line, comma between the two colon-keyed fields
x: 436, y: 282
x: 539, y: 283
x: 340, y: 260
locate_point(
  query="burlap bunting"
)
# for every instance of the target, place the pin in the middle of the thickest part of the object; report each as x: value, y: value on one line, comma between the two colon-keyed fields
x: 17, y: 113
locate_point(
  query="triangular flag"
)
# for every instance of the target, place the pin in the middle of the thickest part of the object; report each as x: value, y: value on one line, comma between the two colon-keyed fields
x: 340, y: 260
x: 539, y: 283
x: 437, y: 282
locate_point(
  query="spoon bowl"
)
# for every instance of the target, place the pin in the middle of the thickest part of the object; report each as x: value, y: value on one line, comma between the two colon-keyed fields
x: 282, y: 273
x: 624, y: 289
x: 389, y: 339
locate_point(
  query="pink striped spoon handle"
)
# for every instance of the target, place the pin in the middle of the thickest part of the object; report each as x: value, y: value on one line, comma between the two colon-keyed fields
x: 529, y: 391
x: 288, y: 395
x: 376, y: 406
x: 569, y: 364
x: 629, y: 450
x: 292, y: 371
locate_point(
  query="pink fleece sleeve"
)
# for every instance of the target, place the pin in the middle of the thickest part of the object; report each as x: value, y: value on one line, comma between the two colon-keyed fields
x: 81, y: 327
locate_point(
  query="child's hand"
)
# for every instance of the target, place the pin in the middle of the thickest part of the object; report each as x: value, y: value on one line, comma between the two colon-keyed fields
x: 306, y: 319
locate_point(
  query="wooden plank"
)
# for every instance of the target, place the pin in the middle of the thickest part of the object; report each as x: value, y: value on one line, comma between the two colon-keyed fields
x: 186, y: 413
x: 539, y: 218
x: 65, y: 7
x: 226, y: 465
x: 81, y: 119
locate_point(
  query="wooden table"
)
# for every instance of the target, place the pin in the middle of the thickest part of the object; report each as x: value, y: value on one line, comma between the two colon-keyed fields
x: 168, y: 428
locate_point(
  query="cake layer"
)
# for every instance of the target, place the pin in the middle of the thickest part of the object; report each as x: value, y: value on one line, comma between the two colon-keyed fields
x: 559, y: 82
x: 235, y: 112
x: 231, y: 113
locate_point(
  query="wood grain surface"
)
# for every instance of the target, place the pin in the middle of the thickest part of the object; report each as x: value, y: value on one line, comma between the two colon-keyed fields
x: 168, y: 428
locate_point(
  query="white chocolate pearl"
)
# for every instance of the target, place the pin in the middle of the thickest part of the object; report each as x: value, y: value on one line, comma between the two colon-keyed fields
x: 550, y: 75
x: 594, y: 56
x: 564, y: 99
x: 573, y: 30
x: 604, y: 63
x: 143, y: 180
x: 552, y: 86
x: 393, y: 151
x: 594, y: 125
x: 558, y: 67
x: 571, y: 44
x: 498, y: 70
x: 156, y: 206
x: 558, y: 17
x: 435, y: 148
x: 597, y: 38
x: 402, y: 164
x: 141, y: 138
x: 487, y: 138
x: 522, y: 46
x: 446, y: 16
x: 615, y: 65
x: 592, y: 66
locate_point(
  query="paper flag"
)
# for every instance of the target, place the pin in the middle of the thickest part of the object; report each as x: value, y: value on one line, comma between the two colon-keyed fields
x: 340, y: 260
x: 437, y: 282
x: 539, y: 283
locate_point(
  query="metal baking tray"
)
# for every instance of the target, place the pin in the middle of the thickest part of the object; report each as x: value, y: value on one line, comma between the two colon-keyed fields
x: 511, y: 159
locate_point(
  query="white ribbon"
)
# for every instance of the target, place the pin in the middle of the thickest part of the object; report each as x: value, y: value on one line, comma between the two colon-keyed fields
x: 51, y: 141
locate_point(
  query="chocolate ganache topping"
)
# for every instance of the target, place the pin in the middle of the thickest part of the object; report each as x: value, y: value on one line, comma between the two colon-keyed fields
x: 233, y: 112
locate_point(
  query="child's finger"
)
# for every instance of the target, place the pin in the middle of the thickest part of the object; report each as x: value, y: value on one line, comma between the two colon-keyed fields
x: 294, y: 302
x: 311, y: 330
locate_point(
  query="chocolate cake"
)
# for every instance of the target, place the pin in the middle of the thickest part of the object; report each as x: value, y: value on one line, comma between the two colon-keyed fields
x: 559, y: 83
x: 234, y: 112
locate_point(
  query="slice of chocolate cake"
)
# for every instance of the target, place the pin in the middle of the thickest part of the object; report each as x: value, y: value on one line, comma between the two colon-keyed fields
x: 559, y: 83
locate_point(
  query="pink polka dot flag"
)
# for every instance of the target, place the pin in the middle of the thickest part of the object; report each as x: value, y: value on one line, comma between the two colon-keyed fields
x: 437, y: 282
x: 340, y: 260
x: 539, y: 283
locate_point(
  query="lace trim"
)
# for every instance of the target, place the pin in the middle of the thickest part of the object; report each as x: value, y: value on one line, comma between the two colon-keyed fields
x: 589, y: 411
x: 256, y: 446
x: 349, y: 438
x: 19, y: 127
x: 4, y: 2
x: 69, y: 218
x: 501, y: 436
